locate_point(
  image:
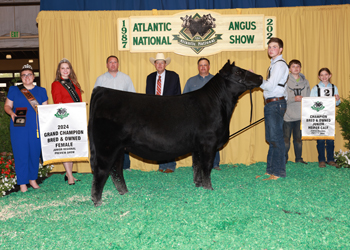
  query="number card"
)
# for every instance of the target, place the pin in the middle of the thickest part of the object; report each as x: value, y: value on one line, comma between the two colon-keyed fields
x: 123, y: 34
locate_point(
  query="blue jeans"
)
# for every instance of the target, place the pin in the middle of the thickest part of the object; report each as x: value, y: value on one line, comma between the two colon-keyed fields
x: 126, y: 164
x: 168, y: 165
x: 329, y: 146
x: 276, y: 159
x: 216, y: 160
x: 172, y: 165
x: 288, y: 129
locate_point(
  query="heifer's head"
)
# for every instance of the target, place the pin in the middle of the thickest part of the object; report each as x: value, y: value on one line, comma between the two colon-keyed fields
x: 239, y: 80
x: 239, y: 76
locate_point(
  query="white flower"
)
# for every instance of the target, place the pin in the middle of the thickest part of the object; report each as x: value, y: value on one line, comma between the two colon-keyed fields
x: 347, y: 159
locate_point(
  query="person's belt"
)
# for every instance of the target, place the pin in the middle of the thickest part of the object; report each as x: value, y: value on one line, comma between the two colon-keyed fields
x: 274, y: 99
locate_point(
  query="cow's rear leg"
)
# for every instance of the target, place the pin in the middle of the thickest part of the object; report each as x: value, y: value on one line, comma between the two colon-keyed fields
x: 197, y: 173
x: 100, y: 176
x: 117, y: 173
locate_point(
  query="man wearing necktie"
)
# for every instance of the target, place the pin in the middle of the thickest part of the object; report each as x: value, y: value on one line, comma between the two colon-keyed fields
x: 163, y: 83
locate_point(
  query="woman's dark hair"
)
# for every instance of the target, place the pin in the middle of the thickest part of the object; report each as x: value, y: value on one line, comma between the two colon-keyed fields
x: 324, y: 69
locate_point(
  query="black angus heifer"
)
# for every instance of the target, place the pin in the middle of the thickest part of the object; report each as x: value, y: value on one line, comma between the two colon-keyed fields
x: 163, y: 127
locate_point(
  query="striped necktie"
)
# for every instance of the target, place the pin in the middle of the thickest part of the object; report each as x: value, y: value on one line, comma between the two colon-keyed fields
x: 159, y: 86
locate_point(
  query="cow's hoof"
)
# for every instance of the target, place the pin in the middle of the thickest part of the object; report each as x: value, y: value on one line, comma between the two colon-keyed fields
x: 198, y: 184
x: 123, y: 192
x: 98, y: 203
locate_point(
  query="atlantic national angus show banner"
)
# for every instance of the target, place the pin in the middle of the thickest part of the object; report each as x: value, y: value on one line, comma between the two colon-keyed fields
x: 195, y: 33
x: 63, y: 132
x: 318, y: 118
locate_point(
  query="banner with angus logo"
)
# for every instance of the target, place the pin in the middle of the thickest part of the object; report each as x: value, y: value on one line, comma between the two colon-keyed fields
x: 195, y: 33
x: 318, y: 118
x: 63, y: 132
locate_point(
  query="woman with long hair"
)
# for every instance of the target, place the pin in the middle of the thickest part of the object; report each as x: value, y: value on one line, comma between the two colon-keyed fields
x: 66, y: 89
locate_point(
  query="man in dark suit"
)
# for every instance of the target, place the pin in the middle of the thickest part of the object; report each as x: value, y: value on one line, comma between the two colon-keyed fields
x: 166, y: 83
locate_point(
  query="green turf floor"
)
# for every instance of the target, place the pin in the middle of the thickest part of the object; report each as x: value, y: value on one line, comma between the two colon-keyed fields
x: 310, y: 209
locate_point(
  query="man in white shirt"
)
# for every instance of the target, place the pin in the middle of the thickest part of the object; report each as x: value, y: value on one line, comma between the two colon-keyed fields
x: 275, y: 96
x: 115, y: 79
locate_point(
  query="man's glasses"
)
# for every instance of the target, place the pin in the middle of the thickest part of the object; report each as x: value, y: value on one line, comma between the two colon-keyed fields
x: 27, y: 75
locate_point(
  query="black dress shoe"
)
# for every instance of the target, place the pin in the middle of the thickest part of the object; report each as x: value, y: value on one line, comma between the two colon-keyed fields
x: 66, y: 179
x: 304, y: 162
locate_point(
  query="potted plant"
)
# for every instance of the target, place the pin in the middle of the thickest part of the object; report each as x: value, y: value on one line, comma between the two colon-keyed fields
x: 343, y: 118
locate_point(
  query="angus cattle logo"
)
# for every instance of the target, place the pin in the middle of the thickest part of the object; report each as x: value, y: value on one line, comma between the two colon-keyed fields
x: 197, y: 32
x: 297, y: 91
x: 61, y: 113
x: 318, y: 106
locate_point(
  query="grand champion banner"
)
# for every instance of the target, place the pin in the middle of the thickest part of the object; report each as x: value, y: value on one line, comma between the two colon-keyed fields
x: 195, y: 33
x: 318, y: 118
x: 63, y: 132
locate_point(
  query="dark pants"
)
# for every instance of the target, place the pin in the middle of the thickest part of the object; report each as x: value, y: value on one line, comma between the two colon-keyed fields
x: 126, y: 164
x: 276, y: 161
x: 290, y: 128
x: 329, y: 146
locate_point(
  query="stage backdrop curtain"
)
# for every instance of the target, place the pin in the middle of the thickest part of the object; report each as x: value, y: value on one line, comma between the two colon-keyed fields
x: 317, y: 36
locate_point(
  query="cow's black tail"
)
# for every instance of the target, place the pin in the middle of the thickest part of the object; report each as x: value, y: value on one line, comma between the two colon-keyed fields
x: 90, y: 129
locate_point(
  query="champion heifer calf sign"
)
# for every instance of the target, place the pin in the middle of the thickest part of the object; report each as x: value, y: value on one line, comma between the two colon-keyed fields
x: 318, y: 118
x: 63, y: 132
x: 162, y: 128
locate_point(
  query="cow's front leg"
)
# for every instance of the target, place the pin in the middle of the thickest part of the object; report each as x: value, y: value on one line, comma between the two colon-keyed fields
x: 206, y: 164
x: 117, y: 173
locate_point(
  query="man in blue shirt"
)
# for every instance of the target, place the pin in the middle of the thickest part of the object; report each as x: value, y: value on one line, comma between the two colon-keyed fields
x: 197, y: 82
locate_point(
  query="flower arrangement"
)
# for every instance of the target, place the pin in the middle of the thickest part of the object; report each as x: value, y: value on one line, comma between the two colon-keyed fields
x: 44, y: 170
x: 8, y: 178
x: 342, y: 158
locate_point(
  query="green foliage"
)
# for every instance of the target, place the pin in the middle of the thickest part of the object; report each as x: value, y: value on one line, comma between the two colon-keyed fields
x: 343, y: 118
x: 5, y: 140
x: 15, y: 80
x: 342, y: 159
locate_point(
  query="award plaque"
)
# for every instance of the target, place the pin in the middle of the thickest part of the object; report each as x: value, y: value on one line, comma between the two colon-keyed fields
x: 20, y: 119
